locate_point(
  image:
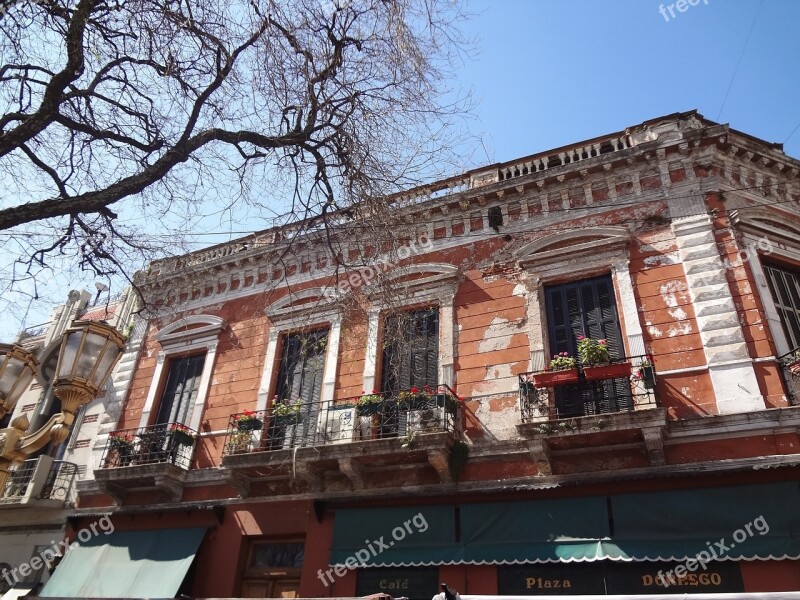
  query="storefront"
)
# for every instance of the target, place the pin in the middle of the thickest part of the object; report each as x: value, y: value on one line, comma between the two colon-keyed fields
x: 706, y: 540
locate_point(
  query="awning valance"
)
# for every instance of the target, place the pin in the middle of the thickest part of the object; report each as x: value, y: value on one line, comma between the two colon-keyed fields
x: 126, y: 564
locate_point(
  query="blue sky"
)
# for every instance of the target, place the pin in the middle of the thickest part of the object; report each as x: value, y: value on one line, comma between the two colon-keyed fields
x: 548, y: 73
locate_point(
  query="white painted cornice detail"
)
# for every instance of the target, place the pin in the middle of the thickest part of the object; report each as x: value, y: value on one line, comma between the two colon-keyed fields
x: 190, y: 328
x: 573, y: 243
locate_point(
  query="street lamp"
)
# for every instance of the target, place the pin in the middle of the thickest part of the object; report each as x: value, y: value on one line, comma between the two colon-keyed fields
x: 89, y: 350
x: 18, y: 367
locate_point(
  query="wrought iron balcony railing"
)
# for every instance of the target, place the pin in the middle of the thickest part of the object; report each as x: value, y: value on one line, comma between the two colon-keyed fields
x: 365, y: 417
x: 165, y: 443
x: 621, y: 385
x: 39, y: 479
x: 790, y: 367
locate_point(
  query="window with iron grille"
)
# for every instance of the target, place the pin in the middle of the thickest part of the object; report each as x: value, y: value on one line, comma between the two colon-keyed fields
x: 586, y: 308
x: 785, y: 288
x: 181, y: 389
x: 410, y: 350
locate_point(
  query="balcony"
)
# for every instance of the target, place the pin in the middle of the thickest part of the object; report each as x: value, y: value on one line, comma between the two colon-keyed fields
x: 351, y: 441
x: 591, y: 409
x: 790, y: 368
x: 146, y: 459
x: 42, y: 482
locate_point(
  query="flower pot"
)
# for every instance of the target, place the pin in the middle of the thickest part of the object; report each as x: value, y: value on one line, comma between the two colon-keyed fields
x: 285, y: 420
x: 182, y: 438
x: 365, y: 410
x: 794, y: 367
x: 556, y: 378
x: 415, y: 403
x: 615, y: 371
x: 249, y: 424
x: 649, y: 378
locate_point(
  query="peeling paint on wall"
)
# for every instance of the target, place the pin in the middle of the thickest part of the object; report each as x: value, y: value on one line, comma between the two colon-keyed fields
x: 660, y: 260
x: 682, y: 329
x: 497, y: 335
x: 670, y: 291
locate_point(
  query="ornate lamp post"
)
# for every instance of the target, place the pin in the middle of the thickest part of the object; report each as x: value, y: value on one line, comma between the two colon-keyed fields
x: 89, y: 351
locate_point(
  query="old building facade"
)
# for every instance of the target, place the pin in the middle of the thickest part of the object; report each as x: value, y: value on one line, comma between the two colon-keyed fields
x: 384, y: 416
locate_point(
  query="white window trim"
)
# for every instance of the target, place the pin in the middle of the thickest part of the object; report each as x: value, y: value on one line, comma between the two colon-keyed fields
x: 582, y: 260
x: 284, y: 318
x: 190, y: 341
x: 437, y: 288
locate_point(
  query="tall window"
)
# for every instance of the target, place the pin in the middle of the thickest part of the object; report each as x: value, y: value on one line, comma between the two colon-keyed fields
x: 411, y: 350
x: 785, y: 288
x: 300, y: 379
x: 181, y: 389
x: 301, y: 368
x: 586, y: 308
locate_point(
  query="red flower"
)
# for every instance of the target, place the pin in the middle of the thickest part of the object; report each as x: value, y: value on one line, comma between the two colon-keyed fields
x: 414, y: 390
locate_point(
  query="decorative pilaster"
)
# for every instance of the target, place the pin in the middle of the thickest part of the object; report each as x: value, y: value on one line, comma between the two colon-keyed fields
x: 265, y: 385
x: 371, y: 357
x: 630, y: 313
x: 729, y: 363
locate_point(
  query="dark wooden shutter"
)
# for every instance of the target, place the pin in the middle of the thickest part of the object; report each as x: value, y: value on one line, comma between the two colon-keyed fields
x: 181, y: 389
x: 300, y: 378
x: 586, y: 308
x: 410, y: 350
x: 785, y: 288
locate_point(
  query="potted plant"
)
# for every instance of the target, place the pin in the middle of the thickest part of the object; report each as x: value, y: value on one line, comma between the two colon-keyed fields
x: 286, y: 413
x: 238, y: 441
x: 414, y: 398
x: 181, y: 434
x: 647, y: 374
x: 562, y: 370
x: 122, y: 444
x: 248, y: 421
x: 596, y: 362
x: 369, y: 404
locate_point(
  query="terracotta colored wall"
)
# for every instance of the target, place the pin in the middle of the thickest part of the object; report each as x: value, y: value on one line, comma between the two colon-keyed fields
x: 771, y: 576
x: 221, y: 561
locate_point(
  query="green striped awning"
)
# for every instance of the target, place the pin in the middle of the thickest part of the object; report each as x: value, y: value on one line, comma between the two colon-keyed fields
x: 402, y: 536
x: 744, y: 522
